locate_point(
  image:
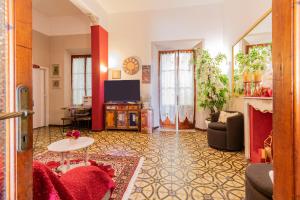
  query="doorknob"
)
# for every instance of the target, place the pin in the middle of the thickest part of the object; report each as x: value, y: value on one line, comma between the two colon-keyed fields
x: 22, y: 103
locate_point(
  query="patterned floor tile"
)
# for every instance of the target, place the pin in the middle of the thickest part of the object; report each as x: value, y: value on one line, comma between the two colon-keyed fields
x: 176, y: 166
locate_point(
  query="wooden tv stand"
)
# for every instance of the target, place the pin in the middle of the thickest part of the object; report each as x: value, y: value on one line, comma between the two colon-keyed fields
x: 123, y: 116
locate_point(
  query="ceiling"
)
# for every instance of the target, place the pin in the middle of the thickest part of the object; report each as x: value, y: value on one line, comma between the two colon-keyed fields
x: 115, y: 6
x: 56, y: 8
x: 177, y: 44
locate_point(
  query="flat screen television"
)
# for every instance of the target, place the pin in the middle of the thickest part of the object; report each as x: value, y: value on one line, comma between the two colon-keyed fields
x: 122, y: 91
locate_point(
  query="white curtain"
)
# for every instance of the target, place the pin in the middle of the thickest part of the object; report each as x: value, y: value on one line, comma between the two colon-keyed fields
x: 186, y: 87
x: 78, y: 71
x: 88, y: 77
x: 168, y: 86
x: 177, y: 79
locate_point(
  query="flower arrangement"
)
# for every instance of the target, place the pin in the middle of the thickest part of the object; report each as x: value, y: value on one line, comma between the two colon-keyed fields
x: 212, y: 92
x: 74, y: 134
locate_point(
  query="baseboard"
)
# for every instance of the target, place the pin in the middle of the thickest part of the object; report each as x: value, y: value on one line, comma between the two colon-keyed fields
x: 57, y: 125
x: 200, y: 129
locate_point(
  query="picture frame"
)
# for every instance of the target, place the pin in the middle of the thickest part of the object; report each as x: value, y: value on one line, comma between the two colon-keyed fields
x: 146, y: 74
x: 116, y: 74
x: 56, y: 84
x: 55, y: 70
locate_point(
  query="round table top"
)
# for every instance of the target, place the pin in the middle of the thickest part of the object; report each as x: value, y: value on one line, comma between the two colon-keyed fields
x: 67, y: 144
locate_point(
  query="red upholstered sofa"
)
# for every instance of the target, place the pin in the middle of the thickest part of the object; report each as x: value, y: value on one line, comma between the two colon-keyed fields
x: 81, y: 183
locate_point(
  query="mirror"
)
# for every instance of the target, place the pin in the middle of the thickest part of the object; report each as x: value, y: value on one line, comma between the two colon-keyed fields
x: 252, y: 73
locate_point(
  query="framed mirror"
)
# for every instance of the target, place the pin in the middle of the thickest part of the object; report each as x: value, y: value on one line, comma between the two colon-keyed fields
x: 252, y: 73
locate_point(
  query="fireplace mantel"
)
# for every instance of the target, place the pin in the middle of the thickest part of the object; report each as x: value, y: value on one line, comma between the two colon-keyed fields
x: 264, y: 105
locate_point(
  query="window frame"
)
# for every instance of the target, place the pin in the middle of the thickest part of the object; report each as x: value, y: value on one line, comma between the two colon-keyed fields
x: 85, y: 63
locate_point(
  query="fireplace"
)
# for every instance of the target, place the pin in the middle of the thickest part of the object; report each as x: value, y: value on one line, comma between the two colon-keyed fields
x: 260, y: 129
x: 258, y: 125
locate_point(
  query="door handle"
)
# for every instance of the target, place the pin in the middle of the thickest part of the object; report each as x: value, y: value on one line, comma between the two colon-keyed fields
x: 22, y: 102
x: 10, y: 115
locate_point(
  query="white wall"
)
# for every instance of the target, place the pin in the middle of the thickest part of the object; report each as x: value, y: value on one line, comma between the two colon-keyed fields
x: 62, y: 25
x: 61, y: 49
x: 131, y: 34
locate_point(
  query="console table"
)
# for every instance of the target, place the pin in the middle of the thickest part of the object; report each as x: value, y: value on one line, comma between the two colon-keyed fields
x: 123, y: 116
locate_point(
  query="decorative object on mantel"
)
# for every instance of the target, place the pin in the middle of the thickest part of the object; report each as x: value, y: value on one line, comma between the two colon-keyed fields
x: 251, y: 66
x: 131, y: 65
x: 116, y: 74
x: 146, y: 74
x: 213, y: 91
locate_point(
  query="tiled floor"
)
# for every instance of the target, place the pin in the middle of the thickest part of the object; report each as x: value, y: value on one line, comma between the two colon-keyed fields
x: 177, y: 166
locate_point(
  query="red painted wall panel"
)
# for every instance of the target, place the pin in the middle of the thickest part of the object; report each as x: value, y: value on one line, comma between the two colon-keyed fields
x: 99, y: 39
x: 260, y: 128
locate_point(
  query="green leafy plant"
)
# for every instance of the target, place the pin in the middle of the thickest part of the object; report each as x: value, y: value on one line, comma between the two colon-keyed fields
x: 256, y: 60
x: 212, y: 92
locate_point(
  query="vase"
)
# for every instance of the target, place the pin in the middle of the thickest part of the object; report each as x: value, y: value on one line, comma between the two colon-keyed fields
x: 257, y: 76
x: 247, y: 77
x: 72, y: 140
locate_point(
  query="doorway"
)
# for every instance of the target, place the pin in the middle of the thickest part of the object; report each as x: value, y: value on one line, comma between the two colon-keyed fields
x: 39, y: 88
x: 176, y: 86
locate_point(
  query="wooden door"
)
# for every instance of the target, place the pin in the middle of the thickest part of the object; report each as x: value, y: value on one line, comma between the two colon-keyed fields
x: 286, y: 118
x: 23, y: 76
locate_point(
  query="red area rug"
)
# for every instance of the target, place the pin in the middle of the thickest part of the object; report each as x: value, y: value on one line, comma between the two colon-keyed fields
x: 126, y: 168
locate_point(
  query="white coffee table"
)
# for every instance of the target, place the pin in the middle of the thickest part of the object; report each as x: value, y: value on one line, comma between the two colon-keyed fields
x: 65, y: 146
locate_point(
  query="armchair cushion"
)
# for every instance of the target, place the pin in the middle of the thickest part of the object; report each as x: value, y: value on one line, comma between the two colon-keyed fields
x: 225, y: 115
x: 217, y: 126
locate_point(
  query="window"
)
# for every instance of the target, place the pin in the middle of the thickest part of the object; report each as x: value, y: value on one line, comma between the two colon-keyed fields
x: 81, y: 78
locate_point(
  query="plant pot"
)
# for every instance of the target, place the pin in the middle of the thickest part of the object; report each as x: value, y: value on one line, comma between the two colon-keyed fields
x: 258, y: 76
x: 207, y: 121
x: 247, y: 77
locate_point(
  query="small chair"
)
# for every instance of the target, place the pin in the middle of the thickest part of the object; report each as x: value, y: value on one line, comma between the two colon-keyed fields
x: 258, y: 182
x: 69, y: 118
x: 83, y: 115
x: 226, y: 136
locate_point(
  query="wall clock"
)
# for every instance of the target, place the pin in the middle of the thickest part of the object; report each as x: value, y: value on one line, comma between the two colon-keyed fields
x: 131, y: 66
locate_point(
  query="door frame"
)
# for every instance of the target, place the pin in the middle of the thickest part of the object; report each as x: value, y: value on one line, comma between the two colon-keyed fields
x: 286, y: 116
x: 10, y: 170
x: 159, y: 84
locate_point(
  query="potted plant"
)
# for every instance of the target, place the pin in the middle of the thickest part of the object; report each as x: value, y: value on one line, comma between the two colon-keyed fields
x: 212, y: 92
x: 244, y: 66
x: 255, y: 62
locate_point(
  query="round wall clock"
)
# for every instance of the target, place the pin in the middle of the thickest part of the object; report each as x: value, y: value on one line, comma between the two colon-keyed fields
x: 131, y: 66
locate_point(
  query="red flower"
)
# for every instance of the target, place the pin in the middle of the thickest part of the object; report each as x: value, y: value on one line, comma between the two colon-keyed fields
x: 74, y: 134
